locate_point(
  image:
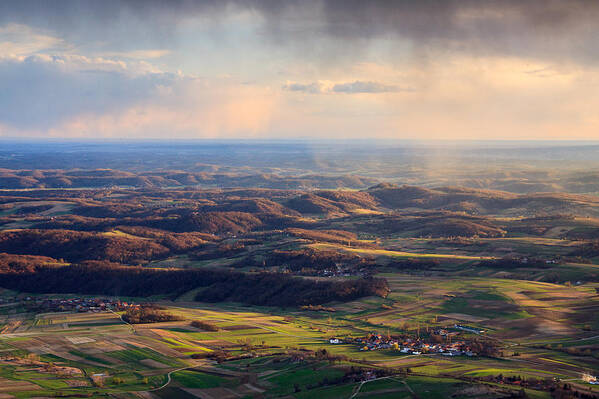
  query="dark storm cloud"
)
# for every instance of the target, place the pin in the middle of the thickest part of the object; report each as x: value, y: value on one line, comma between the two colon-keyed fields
x: 534, y: 28
x: 538, y: 27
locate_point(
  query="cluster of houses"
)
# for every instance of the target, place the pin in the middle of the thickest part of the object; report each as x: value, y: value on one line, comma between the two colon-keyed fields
x: 337, y: 271
x: 411, y: 346
x: 524, y: 260
x: 590, y: 379
x: 82, y: 305
x: 469, y: 329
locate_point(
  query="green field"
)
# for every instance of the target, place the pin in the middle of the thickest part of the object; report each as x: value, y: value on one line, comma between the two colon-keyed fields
x: 276, y: 339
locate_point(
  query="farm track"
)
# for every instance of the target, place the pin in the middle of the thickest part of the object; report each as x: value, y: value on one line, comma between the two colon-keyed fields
x: 168, y: 379
x: 391, y: 377
x: 133, y: 330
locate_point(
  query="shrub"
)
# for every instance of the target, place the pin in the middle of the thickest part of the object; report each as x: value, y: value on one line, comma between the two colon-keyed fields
x: 204, y: 325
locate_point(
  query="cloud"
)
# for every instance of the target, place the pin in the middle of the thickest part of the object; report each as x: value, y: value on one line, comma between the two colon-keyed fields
x: 137, y: 54
x: 480, y: 68
x: 19, y: 40
x: 548, y: 29
x: 459, y: 98
x: 365, y: 87
x: 78, y: 96
x: 326, y: 87
x: 542, y: 29
x: 40, y: 91
x: 312, y: 88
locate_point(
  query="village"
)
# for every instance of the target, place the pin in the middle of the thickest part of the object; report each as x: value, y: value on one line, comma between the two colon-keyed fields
x: 440, y: 341
x: 338, y: 270
x: 590, y: 379
x: 75, y: 304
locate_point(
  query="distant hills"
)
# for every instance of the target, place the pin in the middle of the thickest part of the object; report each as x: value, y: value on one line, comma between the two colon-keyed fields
x: 106, y: 178
x: 515, y: 167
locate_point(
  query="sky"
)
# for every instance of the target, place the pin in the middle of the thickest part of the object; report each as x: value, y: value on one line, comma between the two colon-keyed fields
x: 277, y: 69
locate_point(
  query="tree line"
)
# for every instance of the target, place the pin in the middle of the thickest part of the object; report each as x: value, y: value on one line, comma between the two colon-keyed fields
x: 104, y: 278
